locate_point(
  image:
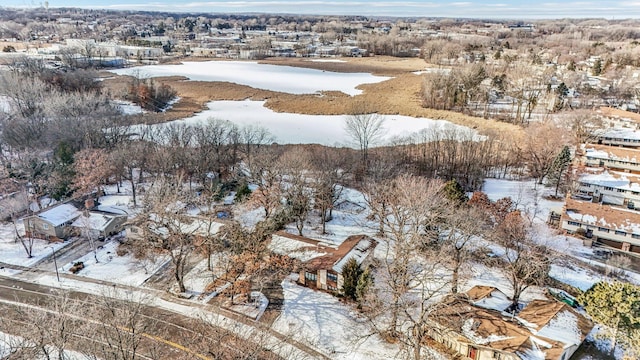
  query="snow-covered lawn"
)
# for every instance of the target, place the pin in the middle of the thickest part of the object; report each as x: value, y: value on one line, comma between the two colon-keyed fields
x: 526, y: 195
x: 320, y: 319
x: 286, y: 79
x: 12, y: 252
x: 124, y: 270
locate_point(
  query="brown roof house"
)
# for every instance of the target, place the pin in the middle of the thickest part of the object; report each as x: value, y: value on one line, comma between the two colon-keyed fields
x: 476, y: 326
x: 323, y: 262
x: 53, y: 223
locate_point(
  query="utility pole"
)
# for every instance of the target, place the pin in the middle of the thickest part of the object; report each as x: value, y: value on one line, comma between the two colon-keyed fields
x: 55, y: 262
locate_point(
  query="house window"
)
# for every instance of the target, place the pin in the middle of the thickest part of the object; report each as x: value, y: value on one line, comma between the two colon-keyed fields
x: 608, y: 188
x: 573, y: 223
x: 45, y: 226
x: 635, y: 193
x: 310, y: 276
x: 332, y: 288
x: 621, y: 190
x: 601, y: 229
x: 635, y: 236
x: 621, y: 233
x: 134, y: 230
x: 496, y: 355
x: 332, y: 277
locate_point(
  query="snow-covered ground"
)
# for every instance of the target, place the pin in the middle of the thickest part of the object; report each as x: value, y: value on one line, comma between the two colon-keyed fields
x: 320, y: 319
x: 527, y: 196
x: 13, y: 252
x: 10, y: 343
x: 128, y: 108
x: 313, y: 317
x: 291, y: 128
x: 131, y: 271
x: 286, y: 79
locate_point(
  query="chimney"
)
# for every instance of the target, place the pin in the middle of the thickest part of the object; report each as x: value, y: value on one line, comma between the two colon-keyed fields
x: 89, y: 204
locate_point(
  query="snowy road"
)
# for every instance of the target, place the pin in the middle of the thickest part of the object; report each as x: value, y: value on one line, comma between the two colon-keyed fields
x: 166, y: 309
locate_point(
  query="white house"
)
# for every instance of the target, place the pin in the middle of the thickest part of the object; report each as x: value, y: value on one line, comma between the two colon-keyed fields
x: 610, y: 188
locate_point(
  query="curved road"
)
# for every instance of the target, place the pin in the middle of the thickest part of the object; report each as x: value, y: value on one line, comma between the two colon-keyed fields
x: 170, y: 312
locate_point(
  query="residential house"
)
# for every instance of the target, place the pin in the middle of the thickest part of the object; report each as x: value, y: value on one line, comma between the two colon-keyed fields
x: 613, y: 158
x: 475, y: 325
x: 603, y: 224
x: 53, y: 223
x: 610, y: 188
x: 620, y: 136
x: 100, y: 224
x: 323, y: 262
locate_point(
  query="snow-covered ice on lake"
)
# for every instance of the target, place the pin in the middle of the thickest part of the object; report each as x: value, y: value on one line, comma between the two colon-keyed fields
x: 286, y: 79
x: 291, y: 128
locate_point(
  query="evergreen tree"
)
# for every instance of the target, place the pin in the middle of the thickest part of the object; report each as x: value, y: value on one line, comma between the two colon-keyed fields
x: 364, y: 283
x: 616, y: 306
x: 558, y: 168
x: 351, y: 274
x: 454, y: 192
x: 597, y: 68
x: 61, y: 179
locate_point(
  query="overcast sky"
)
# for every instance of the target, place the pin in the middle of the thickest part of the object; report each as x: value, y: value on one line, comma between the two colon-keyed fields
x: 497, y: 9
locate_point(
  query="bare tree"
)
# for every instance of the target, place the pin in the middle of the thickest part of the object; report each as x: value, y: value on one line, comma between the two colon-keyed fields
x: 408, y: 283
x: 365, y: 129
x: 543, y: 141
x: 297, y: 193
x: 167, y: 227
x: 121, y: 327
x: 330, y: 168
x: 458, y: 230
x: 524, y: 262
x: 48, y: 331
x: 92, y: 167
x: 268, y: 177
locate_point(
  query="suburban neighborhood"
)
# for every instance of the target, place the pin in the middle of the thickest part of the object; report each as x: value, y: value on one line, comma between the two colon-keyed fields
x: 203, y: 185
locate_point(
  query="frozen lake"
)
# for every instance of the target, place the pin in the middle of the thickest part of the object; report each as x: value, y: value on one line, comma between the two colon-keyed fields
x: 287, y: 79
x: 309, y: 129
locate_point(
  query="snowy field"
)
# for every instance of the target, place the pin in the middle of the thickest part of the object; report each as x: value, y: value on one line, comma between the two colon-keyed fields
x: 291, y: 128
x: 287, y: 79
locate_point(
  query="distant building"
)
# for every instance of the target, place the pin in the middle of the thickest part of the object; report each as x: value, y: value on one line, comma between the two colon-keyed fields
x: 13, y: 200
